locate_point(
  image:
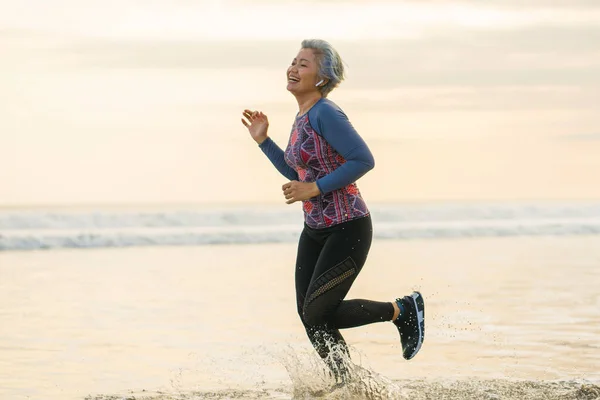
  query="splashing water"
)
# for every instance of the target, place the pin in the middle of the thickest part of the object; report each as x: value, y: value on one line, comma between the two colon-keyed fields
x: 310, y: 378
x: 416, y: 390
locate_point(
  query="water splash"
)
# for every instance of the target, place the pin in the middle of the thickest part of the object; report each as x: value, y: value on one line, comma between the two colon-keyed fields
x: 310, y: 378
x: 414, y: 390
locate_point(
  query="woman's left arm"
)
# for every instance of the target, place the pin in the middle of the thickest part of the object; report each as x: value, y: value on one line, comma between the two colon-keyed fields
x: 335, y: 127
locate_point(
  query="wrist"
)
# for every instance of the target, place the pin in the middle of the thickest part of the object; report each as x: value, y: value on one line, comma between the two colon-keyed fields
x: 260, y: 140
x: 316, y: 190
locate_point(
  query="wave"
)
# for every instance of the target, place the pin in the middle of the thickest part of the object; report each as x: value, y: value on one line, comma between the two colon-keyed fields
x: 31, y: 230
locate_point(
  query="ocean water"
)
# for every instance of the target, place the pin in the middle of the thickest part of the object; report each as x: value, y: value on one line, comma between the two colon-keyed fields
x: 138, y: 304
x: 46, y: 229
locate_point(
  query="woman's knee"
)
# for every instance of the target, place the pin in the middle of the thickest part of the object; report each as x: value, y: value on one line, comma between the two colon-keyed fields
x: 301, y: 314
x: 315, y: 316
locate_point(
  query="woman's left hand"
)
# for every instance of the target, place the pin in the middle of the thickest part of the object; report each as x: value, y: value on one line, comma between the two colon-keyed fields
x: 299, y: 191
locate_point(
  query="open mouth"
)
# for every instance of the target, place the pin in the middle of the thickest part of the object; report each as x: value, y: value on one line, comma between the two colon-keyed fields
x: 293, y: 79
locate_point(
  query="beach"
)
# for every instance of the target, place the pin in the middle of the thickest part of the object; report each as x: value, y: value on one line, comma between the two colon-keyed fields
x: 219, y: 321
x: 146, y: 250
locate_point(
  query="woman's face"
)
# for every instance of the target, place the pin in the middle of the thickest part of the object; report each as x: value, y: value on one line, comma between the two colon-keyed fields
x: 302, y: 74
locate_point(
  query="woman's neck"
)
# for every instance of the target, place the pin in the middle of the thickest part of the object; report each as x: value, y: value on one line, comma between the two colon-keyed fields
x: 306, y: 102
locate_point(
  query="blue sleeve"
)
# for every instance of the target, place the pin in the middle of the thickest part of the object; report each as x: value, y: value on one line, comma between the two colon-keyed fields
x: 333, y: 125
x: 275, y: 154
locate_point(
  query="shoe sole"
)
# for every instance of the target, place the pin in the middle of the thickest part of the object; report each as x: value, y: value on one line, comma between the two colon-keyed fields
x: 417, y: 299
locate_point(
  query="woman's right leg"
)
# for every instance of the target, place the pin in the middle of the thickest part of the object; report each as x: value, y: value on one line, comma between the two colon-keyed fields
x: 323, y: 338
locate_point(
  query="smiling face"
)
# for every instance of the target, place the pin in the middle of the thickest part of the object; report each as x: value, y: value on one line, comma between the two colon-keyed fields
x: 302, y: 75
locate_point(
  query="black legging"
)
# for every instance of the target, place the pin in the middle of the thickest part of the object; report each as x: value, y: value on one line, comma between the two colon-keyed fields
x: 327, y: 264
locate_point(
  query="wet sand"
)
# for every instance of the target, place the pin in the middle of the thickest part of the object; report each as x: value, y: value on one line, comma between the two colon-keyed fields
x: 220, y: 321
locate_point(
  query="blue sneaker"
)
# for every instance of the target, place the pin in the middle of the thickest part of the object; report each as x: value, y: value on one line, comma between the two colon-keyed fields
x: 411, y: 324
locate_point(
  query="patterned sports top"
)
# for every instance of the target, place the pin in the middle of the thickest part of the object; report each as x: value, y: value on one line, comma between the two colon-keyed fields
x: 325, y: 148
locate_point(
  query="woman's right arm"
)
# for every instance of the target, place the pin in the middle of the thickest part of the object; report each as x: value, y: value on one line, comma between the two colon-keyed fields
x: 258, y: 125
x: 276, y: 155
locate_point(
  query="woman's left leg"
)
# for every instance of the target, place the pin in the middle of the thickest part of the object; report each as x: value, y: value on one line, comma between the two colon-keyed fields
x: 341, y: 259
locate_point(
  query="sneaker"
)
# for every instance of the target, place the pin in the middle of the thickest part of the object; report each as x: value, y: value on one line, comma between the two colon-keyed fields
x: 411, y: 324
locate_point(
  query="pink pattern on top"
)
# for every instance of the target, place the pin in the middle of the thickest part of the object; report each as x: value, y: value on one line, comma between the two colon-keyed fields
x: 313, y: 157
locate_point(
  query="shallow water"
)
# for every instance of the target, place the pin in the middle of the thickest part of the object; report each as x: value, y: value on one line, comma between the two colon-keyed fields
x: 417, y: 390
x: 507, y: 318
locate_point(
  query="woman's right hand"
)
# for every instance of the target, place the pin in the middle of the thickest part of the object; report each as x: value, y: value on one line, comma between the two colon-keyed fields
x: 257, y: 124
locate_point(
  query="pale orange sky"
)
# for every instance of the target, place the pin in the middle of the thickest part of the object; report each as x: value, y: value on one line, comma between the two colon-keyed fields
x: 138, y: 102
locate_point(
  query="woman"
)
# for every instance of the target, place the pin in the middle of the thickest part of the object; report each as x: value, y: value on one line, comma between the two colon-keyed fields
x: 323, y: 159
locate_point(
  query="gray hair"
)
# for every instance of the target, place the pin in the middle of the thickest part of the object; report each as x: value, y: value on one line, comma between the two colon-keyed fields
x: 329, y: 62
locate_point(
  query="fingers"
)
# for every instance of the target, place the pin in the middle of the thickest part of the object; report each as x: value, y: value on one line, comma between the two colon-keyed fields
x: 253, y: 114
x: 289, y: 192
x: 290, y: 197
x: 249, y: 115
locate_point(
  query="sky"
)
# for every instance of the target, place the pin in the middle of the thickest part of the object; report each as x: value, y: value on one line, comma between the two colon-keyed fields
x: 139, y: 102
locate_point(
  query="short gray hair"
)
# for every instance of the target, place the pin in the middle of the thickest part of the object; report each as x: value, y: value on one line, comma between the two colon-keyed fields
x: 329, y: 62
